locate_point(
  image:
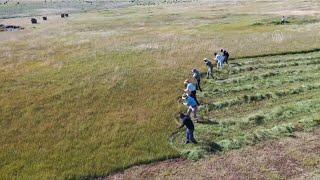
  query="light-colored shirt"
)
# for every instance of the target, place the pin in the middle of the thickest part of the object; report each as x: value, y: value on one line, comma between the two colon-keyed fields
x: 219, y: 58
x: 191, y: 102
x: 191, y: 87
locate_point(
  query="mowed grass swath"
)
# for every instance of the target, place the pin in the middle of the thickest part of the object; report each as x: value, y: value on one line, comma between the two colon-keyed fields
x: 98, y: 92
x: 257, y: 103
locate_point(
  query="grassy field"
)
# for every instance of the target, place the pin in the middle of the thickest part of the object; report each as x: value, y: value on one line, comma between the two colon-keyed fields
x: 255, y: 100
x: 97, y: 93
x: 26, y: 8
x: 295, y: 157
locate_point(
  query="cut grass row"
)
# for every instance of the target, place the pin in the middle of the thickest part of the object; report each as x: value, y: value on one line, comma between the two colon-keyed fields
x: 260, y: 97
x: 259, y: 82
x: 97, y: 93
x: 238, y: 70
x: 222, y: 92
x: 282, y: 121
x: 258, y: 105
x: 271, y: 74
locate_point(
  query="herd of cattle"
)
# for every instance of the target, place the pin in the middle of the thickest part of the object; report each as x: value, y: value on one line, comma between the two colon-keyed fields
x: 45, y: 18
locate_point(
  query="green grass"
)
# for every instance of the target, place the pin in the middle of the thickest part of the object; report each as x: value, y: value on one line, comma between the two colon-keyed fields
x: 97, y: 93
x: 74, y: 109
x: 267, y: 105
x: 28, y: 8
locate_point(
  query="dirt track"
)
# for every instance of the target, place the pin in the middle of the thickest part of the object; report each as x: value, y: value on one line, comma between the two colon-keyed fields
x: 290, y: 158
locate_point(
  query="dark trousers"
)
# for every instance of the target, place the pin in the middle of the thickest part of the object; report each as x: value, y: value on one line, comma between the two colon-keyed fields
x: 189, y: 134
x: 198, y: 84
x: 193, y: 94
x: 226, y: 59
x: 209, y: 72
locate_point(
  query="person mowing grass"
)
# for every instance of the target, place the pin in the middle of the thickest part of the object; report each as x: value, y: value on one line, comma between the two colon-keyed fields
x: 225, y: 54
x: 219, y: 59
x: 191, y: 90
x: 283, y: 20
x: 186, y: 121
x: 192, y: 105
x: 209, y: 65
x: 197, y: 76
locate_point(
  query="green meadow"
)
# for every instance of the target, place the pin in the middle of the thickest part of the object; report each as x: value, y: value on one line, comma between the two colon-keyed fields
x: 262, y: 98
x: 98, y: 92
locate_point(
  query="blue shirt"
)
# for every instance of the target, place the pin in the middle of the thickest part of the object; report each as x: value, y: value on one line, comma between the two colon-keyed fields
x: 191, y: 87
x: 191, y: 102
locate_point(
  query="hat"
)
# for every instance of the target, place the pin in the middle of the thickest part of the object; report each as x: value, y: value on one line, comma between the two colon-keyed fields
x: 205, y: 59
x: 184, y: 96
x: 186, y: 81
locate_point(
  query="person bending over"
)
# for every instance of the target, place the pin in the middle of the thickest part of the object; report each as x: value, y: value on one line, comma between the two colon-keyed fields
x: 191, y: 90
x: 191, y: 104
x: 219, y: 59
x: 197, y: 76
x: 225, y: 54
x: 209, y: 65
x: 187, y: 122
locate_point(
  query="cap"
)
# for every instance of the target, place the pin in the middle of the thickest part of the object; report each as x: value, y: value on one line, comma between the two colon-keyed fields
x: 184, y: 96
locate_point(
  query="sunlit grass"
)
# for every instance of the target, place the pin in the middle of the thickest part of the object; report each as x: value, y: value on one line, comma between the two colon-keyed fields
x: 258, y: 106
x: 97, y: 93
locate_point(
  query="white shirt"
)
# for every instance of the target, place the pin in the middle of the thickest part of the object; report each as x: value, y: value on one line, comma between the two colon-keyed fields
x: 219, y: 58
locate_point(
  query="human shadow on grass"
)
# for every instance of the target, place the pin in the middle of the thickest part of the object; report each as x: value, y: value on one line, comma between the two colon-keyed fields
x: 235, y: 64
x: 211, y: 147
x: 207, y: 121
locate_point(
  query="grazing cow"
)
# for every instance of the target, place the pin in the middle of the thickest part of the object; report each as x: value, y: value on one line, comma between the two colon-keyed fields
x: 89, y: 2
x: 62, y: 15
x: 34, y: 21
x: 66, y: 15
x: 44, y: 18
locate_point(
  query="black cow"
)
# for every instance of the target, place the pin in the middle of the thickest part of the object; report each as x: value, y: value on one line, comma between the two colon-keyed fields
x: 34, y: 21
